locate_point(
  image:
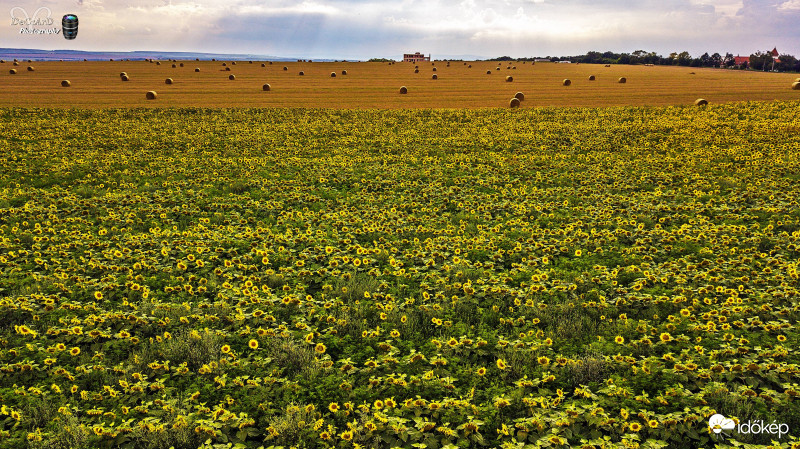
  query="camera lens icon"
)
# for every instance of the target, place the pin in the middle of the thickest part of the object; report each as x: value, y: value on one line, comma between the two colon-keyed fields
x: 69, y: 26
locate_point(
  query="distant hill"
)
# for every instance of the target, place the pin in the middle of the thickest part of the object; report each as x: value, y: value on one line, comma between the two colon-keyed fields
x: 78, y: 55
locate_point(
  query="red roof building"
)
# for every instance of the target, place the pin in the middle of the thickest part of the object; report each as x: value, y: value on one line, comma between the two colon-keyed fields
x: 775, y: 54
x: 741, y: 60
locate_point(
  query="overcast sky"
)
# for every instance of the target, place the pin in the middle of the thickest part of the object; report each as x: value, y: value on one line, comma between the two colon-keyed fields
x: 361, y: 29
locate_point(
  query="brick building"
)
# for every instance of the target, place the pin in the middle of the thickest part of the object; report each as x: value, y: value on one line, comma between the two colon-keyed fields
x: 416, y: 57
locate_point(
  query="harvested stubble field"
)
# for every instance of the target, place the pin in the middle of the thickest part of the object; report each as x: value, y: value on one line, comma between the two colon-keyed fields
x: 376, y: 85
x: 551, y: 277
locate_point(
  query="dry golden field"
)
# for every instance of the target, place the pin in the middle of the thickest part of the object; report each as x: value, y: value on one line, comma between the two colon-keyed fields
x: 376, y: 85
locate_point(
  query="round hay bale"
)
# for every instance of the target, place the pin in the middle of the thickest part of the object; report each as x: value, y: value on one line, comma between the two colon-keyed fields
x: 270, y: 63
x: 174, y: 66
x: 12, y: 71
x: 488, y: 72
x: 416, y: 66
x: 197, y: 69
x: 224, y: 64
x: 434, y: 69
x: 469, y: 66
x: 796, y: 85
x: 121, y: 74
x: 333, y: 74
x: 124, y: 78
x: 151, y: 95
x: 509, y: 79
x: 251, y: 62
x: 301, y: 73
x: 16, y: 63
x: 435, y: 76
x: 181, y: 64
x: 403, y: 90
x: 158, y: 62
x: 797, y: 80
x: 519, y: 96
x: 701, y: 102
x: 231, y: 77
x: 2, y: 61
x: 266, y: 87
x: 233, y: 63
x: 497, y: 68
x: 30, y: 68
x: 514, y: 103
x: 227, y: 69
x: 168, y: 81
x: 608, y: 65
x: 214, y: 59
x: 344, y: 72
x: 622, y: 80
x: 416, y: 70
x: 65, y: 83
x: 514, y: 68
x: 591, y: 77
x: 566, y: 82
x: 285, y: 68
x: 263, y: 65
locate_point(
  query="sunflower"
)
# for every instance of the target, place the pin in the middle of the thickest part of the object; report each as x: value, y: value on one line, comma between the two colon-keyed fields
x: 320, y: 348
x: 635, y: 426
x: 333, y: 407
x: 226, y: 349
x: 619, y: 339
x: 253, y: 344
x: 481, y: 371
x: 665, y: 337
x: 501, y: 364
x: 75, y: 351
x: 98, y: 295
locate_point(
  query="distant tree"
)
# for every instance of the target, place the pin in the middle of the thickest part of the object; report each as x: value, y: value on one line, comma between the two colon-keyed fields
x: 729, y: 60
x: 684, y: 58
x: 705, y: 60
x: 380, y: 60
x: 716, y: 60
x: 761, y: 61
x: 788, y: 64
x: 502, y: 58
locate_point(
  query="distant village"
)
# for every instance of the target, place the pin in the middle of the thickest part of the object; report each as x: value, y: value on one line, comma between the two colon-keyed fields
x: 770, y: 61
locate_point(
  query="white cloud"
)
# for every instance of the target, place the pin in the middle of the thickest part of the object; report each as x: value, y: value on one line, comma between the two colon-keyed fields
x: 789, y: 5
x: 367, y: 28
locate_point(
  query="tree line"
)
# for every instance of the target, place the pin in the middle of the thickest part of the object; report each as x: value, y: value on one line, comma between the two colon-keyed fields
x: 757, y: 61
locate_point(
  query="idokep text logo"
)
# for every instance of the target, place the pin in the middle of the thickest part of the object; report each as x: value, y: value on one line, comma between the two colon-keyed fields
x: 719, y: 424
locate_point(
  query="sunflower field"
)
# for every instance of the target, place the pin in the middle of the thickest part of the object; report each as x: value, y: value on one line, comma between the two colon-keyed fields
x: 321, y: 278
